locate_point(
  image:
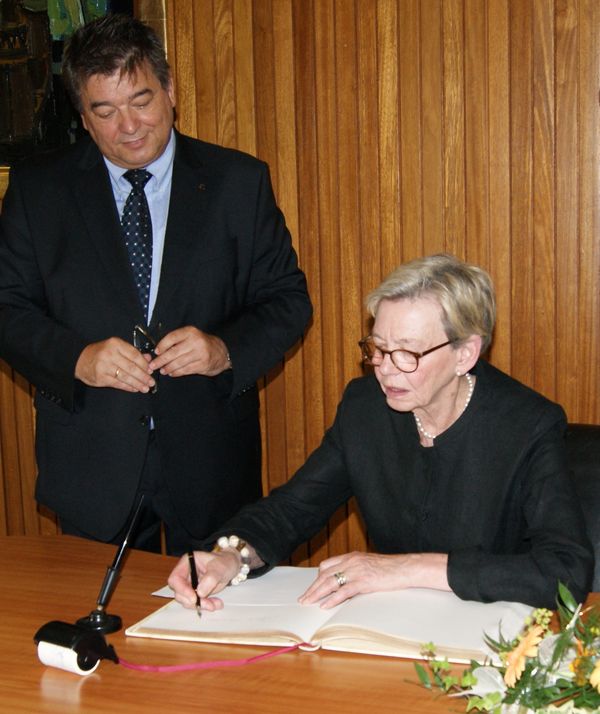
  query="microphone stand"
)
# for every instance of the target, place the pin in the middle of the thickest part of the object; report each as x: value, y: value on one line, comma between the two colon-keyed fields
x: 99, y: 620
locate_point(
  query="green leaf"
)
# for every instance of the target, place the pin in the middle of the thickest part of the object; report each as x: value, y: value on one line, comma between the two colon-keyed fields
x: 468, y: 679
x: 567, y: 599
x: 428, y: 649
x: 449, y: 681
x: 440, y: 665
x: 423, y: 676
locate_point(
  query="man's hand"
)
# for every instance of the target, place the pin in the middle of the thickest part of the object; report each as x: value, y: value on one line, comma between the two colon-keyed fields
x: 114, y: 363
x: 188, y: 350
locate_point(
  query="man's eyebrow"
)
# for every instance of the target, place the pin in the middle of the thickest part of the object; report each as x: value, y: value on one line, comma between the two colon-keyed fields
x: 132, y: 98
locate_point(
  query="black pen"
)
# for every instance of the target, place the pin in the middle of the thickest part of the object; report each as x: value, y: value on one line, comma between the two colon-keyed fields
x: 194, y: 577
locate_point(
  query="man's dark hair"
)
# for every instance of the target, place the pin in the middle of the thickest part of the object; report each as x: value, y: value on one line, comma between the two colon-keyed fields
x: 111, y: 43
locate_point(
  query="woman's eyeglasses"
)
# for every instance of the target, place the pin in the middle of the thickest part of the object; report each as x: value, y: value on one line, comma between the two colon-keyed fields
x: 404, y: 360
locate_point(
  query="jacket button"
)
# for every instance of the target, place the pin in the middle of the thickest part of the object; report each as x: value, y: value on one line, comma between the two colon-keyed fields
x: 144, y: 420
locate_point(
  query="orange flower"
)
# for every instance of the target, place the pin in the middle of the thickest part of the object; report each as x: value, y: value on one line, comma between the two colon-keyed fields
x: 527, y: 647
x: 595, y: 676
x: 579, y: 665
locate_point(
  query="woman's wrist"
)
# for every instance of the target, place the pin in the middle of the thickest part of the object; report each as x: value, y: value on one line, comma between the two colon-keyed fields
x: 239, y: 547
x: 429, y: 570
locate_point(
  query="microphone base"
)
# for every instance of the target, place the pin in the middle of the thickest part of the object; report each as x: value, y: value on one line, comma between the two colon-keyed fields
x: 100, y: 621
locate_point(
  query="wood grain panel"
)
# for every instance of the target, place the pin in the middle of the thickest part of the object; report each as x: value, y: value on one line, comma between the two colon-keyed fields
x: 431, y: 67
x: 453, y: 112
x: 543, y: 198
x: 476, y: 136
x: 395, y: 128
x: 368, y: 176
x: 410, y: 124
x: 498, y: 169
x: 585, y: 353
x: 567, y: 198
x: 390, y: 199
x: 521, y: 152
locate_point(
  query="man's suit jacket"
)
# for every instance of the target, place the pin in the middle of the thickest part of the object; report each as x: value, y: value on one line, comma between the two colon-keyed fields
x: 228, y: 268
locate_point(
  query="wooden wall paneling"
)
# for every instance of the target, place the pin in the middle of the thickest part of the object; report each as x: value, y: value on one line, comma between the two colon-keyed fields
x: 409, y: 118
x: 369, y: 196
x: 24, y: 427
x: 262, y: 79
x: 521, y: 109
x: 14, y: 522
x: 476, y: 135
x: 3, y: 508
x: 389, y: 141
x: 349, y: 285
x: 154, y: 14
x: 274, y: 397
x: 204, y: 101
x: 352, y: 536
x: 585, y: 354
x: 431, y: 69
x: 333, y: 317
x: 499, y: 217
x: 8, y: 451
x: 305, y: 77
x: 454, y: 128
x: 182, y: 28
x: 328, y: 194
x: 289, y: 195
x: 243, y: 67
x: 227, y: 99
x: 568, y: 200
x: 544, y: 307
x: 19, y: 514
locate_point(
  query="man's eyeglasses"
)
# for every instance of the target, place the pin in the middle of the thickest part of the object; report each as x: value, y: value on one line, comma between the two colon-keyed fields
x: 143, y: 340
x: 404, y: 360
x: 146, y: 344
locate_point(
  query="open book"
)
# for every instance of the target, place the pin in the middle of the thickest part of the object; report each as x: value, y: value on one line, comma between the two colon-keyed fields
x: 265, y: 611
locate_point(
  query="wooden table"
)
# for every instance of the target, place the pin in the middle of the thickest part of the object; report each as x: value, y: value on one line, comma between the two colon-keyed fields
x: 58, y: 578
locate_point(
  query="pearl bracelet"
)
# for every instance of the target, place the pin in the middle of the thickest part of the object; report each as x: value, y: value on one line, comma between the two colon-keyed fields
x: 236, y: 543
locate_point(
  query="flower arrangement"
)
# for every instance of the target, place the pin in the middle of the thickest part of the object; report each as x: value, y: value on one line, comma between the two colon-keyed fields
x: 539, y: 671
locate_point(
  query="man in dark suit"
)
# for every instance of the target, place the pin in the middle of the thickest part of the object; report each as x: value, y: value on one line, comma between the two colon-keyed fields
x: 146, y: 382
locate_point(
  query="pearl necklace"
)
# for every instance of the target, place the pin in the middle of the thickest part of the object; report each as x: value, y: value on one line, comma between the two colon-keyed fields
x: 426, y: 434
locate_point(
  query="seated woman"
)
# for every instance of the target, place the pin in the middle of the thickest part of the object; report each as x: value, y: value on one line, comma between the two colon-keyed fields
x: 459, y: 470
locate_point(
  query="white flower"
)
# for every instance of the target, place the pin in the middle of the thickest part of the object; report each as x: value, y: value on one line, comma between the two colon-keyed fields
x: 489, y: 680
x: 562, y: 668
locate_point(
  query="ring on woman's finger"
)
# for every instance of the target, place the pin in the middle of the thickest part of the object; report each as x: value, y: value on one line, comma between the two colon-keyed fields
x: 341, y: 578
x: 117, y: 372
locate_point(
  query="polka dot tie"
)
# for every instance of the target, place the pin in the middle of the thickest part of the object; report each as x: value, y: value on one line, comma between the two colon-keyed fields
x: 137, y: 231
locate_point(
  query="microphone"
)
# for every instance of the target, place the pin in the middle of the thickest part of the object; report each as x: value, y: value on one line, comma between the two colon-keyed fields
x: 79, y: 648
x: 99, y: 620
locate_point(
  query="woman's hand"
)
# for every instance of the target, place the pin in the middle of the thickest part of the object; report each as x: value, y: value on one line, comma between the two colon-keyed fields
x: 215, y: 572
x: 372, y: 572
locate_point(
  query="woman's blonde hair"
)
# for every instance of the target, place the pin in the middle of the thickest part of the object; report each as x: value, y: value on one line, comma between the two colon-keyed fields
x: 464, y: 292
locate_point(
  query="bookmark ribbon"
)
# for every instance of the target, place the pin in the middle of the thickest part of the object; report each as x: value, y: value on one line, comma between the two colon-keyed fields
x: 216, y: 664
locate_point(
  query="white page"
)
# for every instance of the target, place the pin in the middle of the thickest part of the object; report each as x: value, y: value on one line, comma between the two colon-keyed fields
x: 282, y: 585
x: 258, y: 605
x: 245, y: 622
x: 422, y: 615
x: 419, y: 615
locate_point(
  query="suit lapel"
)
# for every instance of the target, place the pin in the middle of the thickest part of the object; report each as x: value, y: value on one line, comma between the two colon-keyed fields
x: 190, y: 193
x: 93, y: 194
